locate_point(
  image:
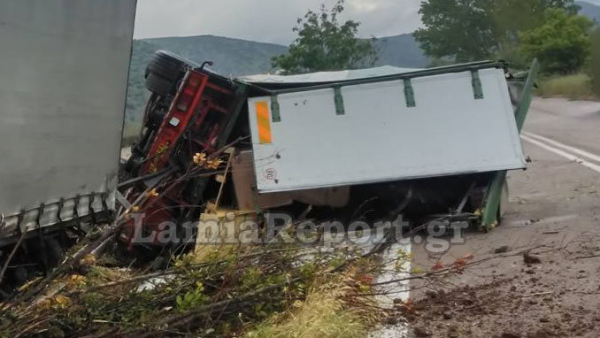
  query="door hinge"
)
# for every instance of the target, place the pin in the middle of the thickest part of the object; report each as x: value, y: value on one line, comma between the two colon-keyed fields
x: 275, y: 113
x: 476, y: 81
x: 339, y: 101
x: 409, y: 93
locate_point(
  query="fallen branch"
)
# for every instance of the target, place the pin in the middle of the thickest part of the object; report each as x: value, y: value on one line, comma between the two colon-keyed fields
x: 12, y: 254
x: 186, y: 319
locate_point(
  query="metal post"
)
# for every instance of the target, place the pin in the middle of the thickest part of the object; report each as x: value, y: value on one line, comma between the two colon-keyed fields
x: 492, y: 205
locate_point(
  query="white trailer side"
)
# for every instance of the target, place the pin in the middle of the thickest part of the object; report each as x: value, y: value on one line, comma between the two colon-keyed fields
x: 408, y: 125
x: 64, y: 67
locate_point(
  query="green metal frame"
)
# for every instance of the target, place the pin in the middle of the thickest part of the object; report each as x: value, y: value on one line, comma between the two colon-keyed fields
x: 494, y: 196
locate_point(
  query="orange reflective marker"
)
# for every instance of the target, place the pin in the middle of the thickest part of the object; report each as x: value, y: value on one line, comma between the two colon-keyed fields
x: 264, y: 124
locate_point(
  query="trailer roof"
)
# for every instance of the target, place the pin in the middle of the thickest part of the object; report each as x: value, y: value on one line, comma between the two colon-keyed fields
x: 291, y: 83
x: 325, y: 77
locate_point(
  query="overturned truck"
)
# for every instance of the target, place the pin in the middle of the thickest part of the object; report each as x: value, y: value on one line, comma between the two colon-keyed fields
x: 370, y: 144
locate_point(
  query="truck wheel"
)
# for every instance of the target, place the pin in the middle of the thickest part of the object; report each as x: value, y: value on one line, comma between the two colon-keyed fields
x: 168, y: 66
x: 159, y: 85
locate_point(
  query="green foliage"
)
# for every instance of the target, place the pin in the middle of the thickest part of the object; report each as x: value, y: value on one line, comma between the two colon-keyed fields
x: 324, y: 43
x: 514, y: 16
x: 250, y: 278
x: 562, y: 44
x: 469, y: 30
x: 594, y: 64
x: 337, y: 261
x: 460, y: 29
x: 575, y: 87
x: 192, y: 299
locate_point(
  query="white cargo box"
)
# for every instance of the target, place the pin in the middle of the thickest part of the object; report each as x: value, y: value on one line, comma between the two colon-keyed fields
x: 64, y: 67
x: 404, y: 125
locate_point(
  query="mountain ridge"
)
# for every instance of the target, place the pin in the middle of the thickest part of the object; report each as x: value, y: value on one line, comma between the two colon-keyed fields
x: 590, y: 10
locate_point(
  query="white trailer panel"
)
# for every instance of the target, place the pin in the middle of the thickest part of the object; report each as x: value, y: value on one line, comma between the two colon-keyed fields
x: 64, y: 67
x: 379, y: 138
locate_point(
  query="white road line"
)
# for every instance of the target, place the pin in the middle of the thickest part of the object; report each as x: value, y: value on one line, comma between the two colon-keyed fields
x: 400, y: 290
x: 574, y: 150
x: 562, y: 153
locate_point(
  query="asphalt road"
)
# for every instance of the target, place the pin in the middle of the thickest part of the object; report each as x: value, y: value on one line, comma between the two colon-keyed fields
x: 554, y: 211
x: 573, y: 123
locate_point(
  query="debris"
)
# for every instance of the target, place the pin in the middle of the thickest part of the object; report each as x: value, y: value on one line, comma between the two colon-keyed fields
x: 540, y: 294
x: 421, y: 332
x: 199, y: 158
x: 502, y: 249
x: 153, y: 193
x: 531, y: 259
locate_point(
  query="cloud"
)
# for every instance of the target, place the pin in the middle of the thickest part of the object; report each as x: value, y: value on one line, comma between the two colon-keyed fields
x: 266, y: 20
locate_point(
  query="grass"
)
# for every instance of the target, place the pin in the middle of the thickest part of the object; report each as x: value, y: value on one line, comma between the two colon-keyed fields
x: 321, y: 316
x: 326, y: 313
x: 575, y: 87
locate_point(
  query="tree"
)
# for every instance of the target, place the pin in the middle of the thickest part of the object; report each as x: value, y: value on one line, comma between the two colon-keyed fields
x: 562, y: 43
x: 468, y: 30
x: 460, y: 29
x: 595, y: 61
x: 514, y: 16
x: 325, y: 44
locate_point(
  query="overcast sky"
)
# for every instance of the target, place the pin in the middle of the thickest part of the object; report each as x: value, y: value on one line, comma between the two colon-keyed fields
x: 266, y: 20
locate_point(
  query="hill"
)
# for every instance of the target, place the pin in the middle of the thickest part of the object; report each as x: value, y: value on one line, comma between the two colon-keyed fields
x: 590, y: 10
x: 400, y: 51
x: 235, y: 57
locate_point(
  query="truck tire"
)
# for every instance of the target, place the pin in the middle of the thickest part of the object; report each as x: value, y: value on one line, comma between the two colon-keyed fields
x: 168, y: 66
x: 159, y: 85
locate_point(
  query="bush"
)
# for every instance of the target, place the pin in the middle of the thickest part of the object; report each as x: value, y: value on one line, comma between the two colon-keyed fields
x: 594, y: 62
x: 576, y: 86
x: 562, y: 44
